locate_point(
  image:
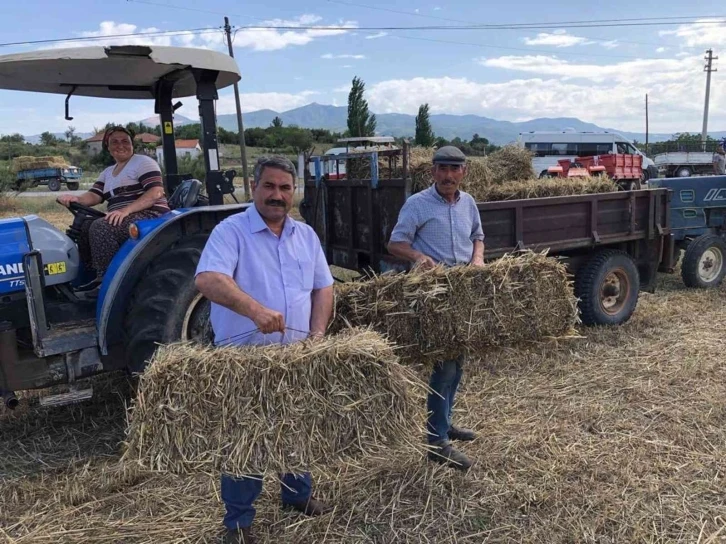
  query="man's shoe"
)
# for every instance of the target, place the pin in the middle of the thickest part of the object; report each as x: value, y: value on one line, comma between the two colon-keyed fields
x: 457, y: 433
x: 243, y: 536
x: 442, y: 452
x: 310, y: 507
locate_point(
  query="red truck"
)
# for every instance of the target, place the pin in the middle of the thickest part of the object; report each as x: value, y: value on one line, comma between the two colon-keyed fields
x: 626, y: 170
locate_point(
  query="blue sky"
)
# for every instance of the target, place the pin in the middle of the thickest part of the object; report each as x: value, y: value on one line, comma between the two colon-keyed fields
x: 600, y: 75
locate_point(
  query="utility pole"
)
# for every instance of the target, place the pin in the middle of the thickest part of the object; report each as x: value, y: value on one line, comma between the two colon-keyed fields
x: 646, y: 123
x: 708, y: 69
x: 240, y: 126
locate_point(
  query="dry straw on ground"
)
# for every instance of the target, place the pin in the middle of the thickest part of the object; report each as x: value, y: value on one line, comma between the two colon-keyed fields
x: 277, y: 408
x: 619, y: 437
x: 30, y: 163
x: 446, y: 312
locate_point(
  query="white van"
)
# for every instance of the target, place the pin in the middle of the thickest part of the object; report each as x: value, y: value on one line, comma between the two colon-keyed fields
x: 549, y: 147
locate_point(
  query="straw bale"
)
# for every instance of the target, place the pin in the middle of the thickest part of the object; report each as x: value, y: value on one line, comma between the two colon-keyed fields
x: 546, y: 187
x: 446, y: 312
x: 278, y: 408
x: 30, y: 163
x: 511, y: 163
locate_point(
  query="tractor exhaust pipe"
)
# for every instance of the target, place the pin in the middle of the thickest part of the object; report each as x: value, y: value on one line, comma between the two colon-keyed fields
x: 11, y: 401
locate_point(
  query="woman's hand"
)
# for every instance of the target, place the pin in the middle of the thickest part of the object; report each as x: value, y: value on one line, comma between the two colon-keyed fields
x: 66, y: 200
x: 116, y: 217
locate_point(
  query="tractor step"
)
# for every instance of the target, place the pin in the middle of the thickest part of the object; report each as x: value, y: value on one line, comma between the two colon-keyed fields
x: 72, y: 397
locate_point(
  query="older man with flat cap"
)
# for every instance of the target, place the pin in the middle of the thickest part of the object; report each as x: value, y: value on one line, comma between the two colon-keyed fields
x: 441, y: 225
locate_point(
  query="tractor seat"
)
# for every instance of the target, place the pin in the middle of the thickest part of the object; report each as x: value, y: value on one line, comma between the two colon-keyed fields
x: 186, y: 195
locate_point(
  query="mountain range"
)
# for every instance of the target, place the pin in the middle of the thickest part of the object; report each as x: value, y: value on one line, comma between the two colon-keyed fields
x: 448, y: 126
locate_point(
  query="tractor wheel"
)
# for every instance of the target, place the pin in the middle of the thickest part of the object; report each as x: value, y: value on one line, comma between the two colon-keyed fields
x: 166, y: 306
x: 703, y: 263
x: 608, y: 286
x: 72, y: 185
x: 54, y: 185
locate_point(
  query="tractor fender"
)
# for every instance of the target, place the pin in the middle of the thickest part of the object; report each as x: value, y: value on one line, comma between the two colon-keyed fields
x: 128, y: 265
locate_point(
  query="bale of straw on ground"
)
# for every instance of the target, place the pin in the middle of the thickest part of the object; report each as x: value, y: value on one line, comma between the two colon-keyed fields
x: 446, y: 312
x: 29, y: 163
x: 274, y: 408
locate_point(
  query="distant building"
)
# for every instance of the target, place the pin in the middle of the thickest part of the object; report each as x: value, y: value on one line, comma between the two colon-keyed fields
x: 190, y: 148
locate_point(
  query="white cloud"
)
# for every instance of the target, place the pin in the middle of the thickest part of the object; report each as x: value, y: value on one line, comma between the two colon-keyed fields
x: 612, y: 44
x: 661, y: 50
x: 347, y: 66
x: 437, y: 8
x: 377, y: 35
x: 261, y: 101
x: 331, y: 56
x: 703, y: 33
x: 609, y: 95
x: 558, y: 38
x: 342, y: 89
x: 663, y: 69
x: 267, y: 39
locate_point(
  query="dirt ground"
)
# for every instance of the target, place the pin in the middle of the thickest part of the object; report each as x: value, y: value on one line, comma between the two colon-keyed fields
x: 614, y: 437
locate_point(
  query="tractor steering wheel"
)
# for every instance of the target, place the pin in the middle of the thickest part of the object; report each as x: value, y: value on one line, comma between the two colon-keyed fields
x: 77, y: 209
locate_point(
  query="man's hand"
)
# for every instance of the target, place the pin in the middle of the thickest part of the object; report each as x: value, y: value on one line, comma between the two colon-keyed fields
x: 115, y: 218
x: 269, y: 321
x: 66, y: 200
x: 424, y: 262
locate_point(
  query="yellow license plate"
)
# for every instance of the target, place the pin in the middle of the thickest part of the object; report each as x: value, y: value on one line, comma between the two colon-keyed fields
x: 55, y: 268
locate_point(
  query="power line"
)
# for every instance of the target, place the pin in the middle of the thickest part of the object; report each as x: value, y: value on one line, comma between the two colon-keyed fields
x: 110, y: 36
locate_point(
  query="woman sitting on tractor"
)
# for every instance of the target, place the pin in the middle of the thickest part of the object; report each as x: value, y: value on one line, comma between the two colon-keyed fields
x: 133, y: 190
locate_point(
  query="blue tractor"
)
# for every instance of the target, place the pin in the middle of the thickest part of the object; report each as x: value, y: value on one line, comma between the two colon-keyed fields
x: 698, y: 227
x: 50, y: 332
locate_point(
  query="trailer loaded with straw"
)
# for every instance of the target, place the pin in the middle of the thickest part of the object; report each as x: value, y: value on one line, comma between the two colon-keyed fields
x: 613, y: 242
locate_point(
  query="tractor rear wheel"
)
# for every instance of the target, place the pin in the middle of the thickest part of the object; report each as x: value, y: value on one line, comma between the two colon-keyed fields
x: 72, y: 185
x: 166, y: 305
x: 703, y: 263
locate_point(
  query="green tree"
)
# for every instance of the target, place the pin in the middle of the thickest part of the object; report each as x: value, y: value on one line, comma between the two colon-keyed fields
x: 71, y: 136
x: 13, y: 138
x: 360, y: 121
x: 424, y: 133
x: 277, y: 122
x: 48, y: 139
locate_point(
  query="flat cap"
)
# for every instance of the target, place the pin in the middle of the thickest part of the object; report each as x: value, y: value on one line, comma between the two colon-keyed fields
x: 449, y: 155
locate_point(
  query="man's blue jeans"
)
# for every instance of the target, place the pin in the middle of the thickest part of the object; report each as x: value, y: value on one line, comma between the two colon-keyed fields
x: 444, y: 382
x: 238, y: 495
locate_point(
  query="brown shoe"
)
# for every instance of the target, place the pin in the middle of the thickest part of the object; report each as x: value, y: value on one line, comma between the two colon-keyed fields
x: 243, y: 536
x: 442, y: 452
x: 459, y: 433
x: 310, y: 507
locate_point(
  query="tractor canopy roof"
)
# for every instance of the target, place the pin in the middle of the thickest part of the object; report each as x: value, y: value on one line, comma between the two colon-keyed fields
x: 126, y: 71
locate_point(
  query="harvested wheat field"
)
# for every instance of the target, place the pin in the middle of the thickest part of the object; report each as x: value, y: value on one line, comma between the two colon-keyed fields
x: 617, y: 437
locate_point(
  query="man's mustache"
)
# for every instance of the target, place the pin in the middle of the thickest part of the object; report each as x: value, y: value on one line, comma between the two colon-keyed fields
x: 276, y: 203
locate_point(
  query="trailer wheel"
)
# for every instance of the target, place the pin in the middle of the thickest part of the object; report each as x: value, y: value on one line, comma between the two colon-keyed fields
x: 73, y: 185
x: 54, y: 184
x: 166, y: 306
x: 683, y: 172
x: 703, y: 263
x: 608, y: 286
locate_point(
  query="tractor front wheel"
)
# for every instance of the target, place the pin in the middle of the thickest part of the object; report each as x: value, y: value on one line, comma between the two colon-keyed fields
x: 166, y: 306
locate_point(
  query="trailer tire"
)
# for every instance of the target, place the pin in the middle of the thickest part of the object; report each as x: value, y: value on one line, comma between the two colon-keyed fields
x: 73, y: 185
x: 683, y: 172
x: 166, y: 306
x: 54, y: 184
x: 608, y: 286
x: 704, y: 262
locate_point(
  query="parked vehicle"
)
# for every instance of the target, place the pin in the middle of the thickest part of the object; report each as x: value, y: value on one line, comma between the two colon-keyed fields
x: 550, y: 147
x: 54, y: 178
x: 684, y: 159
x: 625, y: 170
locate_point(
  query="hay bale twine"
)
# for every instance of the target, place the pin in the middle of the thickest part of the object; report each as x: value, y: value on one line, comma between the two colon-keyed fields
x: 446, y: 312
x: 277, y: 408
